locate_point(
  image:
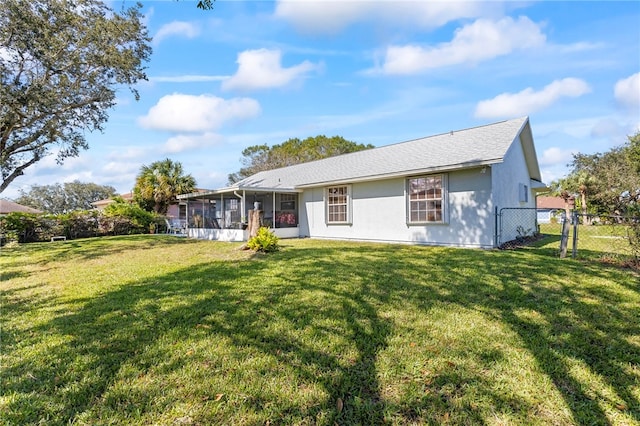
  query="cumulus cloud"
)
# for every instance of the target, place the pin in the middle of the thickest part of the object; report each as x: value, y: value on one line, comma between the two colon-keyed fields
x: 528, y: 100
x: 262, y: 69
x: 331, y: 17
x: 181, y: 143
x: 188, y: 113
x: 176, y: 28
x: 627, y: 92
x: 554, y: 155
x: 480, y: 41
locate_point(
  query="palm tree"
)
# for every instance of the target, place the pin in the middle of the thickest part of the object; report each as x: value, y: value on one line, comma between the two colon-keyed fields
x: 584, y: 181
x: 158, y: 184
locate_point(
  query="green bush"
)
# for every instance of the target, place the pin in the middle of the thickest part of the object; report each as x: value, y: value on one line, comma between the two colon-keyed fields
x: 30, y: 227
x: 81, y: 224
x: 119, y: 218
x: 137, y: 219
x: 265, y: 241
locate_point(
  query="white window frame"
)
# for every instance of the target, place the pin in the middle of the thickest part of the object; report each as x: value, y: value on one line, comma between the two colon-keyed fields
x: 327, y: 207
x: 443, y: 199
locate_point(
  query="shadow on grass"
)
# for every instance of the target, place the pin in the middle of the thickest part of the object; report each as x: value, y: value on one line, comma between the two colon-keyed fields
x: 352, y: 287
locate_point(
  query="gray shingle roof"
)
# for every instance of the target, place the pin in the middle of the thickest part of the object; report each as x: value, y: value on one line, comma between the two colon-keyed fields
x: 8, y: 206
x: 449, y: 151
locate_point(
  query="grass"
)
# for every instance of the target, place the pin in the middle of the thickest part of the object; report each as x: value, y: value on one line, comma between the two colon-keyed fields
x: 160, y: 330
x: 604, y: 243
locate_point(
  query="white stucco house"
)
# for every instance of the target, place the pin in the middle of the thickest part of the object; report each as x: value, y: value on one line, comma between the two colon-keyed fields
x: 446, y: 189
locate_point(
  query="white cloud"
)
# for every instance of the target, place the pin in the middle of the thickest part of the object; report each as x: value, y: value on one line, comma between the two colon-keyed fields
x: 262, y: 69
x: 529, y: 101
x: 480, y: 41
x: 330, y: 17
x: 554, y: 155
x: 181, y: 143
x: 176, y: 28
x: 627, y: 92
x: 189, y: 113
x: 115, y: 168
x: 123, y: 155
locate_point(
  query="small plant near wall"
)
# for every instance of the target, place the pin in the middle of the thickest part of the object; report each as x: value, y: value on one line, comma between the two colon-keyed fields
x: 265, y: 241
x: 523, y: 234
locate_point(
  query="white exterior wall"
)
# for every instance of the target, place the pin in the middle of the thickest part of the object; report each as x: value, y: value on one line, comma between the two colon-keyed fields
x: 507, y: 178
x: 217, y: 234
x: 379, y: 213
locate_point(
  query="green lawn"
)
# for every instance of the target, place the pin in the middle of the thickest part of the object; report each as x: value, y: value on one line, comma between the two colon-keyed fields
x: 161, y: 330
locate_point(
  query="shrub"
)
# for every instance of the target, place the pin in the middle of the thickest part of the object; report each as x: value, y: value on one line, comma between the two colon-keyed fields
x: 30, y: 227
x: 80, y: 224
x: 265, y: 241
x: 137, y: 219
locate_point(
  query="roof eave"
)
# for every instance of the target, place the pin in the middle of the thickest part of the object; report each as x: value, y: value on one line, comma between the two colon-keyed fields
x: 232, y: 189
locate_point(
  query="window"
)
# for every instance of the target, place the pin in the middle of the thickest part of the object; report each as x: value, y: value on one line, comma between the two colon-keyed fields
x: 523, y: 193
x: 426, y: 199
x: 338, y: 201
x: 287, y: 201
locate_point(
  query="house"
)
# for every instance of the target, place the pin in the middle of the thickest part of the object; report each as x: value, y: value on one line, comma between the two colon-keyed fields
x: 7, y: 207
x: 553, y: 208
x: 102, y: 204
x: 445, y: 189
x: 174, y: 210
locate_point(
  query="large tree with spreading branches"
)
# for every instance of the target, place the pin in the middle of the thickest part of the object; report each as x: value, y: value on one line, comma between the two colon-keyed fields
x: 605, y: 183
x: 61, y: 62
x: 258, y: 158
x: 64, y: 198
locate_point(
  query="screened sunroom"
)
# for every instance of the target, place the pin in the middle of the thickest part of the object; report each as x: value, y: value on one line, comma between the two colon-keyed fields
x: 222, y: 214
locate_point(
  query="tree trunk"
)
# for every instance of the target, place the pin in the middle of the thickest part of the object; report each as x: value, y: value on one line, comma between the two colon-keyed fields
x: 255, y: 220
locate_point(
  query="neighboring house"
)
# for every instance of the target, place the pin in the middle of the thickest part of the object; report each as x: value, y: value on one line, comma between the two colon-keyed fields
x: 7, y: 207
x: 441, y: 190
x: 175, y: 211
x: 102, y: 204
x: 553, y: 208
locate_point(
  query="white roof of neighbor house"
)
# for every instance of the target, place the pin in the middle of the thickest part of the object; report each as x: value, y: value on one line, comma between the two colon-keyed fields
x: 449, y: 151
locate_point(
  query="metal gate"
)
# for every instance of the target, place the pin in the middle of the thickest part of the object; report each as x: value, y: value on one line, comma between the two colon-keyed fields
x: 515, y: 224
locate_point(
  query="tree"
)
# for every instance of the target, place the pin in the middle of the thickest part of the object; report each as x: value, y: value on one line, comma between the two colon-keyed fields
x: 205, y: 4
x: 259, y: 158
x: 601, y: 179
x: 64, y: 198
x: 61, y: 62
x: 158, y: 184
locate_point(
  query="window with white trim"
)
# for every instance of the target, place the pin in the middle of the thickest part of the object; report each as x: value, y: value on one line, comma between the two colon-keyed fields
x: 426, y: 199
x: 338, y: 203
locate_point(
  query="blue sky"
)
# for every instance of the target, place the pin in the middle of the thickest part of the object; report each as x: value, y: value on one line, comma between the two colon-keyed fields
x: 379, y: 72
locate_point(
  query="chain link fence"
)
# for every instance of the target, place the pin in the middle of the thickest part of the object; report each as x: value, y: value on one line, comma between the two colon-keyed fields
x: 516, y: 226
x: 605, y: 238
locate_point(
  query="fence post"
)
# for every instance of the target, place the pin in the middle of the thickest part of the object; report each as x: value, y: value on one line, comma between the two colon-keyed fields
x: 495, y: 232
x: 575, y: 220
x: 564, y: 238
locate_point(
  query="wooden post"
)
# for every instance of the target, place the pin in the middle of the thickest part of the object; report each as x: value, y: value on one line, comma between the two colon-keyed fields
x: 564, y: 238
